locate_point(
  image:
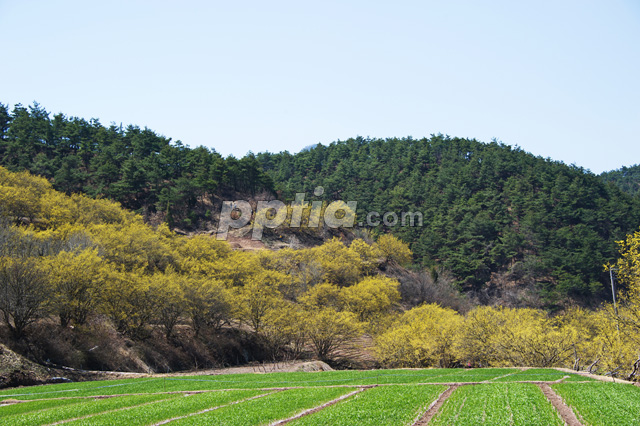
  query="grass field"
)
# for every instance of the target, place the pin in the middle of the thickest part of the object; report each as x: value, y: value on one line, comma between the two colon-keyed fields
x: 493, y: 396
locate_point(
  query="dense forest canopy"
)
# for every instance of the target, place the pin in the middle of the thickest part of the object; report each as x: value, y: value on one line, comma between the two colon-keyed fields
x: 142, y: 170
x: 492, y: 213
x: 626, y: 178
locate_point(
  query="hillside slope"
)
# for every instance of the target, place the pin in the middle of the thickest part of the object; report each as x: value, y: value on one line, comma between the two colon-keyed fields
x: 494, y: 215
x: 89, y: 285
x: 500, y: 219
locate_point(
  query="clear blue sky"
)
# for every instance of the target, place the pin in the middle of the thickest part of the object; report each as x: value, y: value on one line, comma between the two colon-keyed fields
x: 561, y: 79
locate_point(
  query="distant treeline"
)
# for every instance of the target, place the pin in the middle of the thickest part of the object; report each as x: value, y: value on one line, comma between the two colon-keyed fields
x: 142, y: 170
x: 496, y: 216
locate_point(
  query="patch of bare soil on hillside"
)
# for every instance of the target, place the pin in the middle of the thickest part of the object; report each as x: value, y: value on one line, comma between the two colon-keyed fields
x: 16, y: 370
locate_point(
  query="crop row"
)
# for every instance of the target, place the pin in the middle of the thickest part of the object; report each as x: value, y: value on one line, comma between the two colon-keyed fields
x: 541, y: 375
x: 80, y: 408
x: 275, y: 406
x: 167, y: 409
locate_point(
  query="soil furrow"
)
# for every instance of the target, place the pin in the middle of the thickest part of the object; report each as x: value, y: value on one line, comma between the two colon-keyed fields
x: 566, y: 413
x: 435, y: 406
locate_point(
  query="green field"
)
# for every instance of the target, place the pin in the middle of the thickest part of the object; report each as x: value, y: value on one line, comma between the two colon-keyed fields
x: 389, y: 405
x: 602, y: 403
x: 497, y: 404
x: 492, y: 396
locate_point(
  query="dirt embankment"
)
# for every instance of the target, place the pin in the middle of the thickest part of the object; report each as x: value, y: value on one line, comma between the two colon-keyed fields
x: 16, y: 370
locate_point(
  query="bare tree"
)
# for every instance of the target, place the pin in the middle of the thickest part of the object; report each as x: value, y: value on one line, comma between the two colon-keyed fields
x: 429, y: 286
x: 23, y: 293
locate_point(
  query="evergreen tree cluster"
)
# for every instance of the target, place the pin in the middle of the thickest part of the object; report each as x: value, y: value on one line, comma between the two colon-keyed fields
x: 142, y: 170
x: 493, y: 214
x: 626, y: 178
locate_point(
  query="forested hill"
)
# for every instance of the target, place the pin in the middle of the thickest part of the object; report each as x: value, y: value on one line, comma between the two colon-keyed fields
x: 144, y: 171
x: 496, y: 216
x: 626, y: 178
x: 500, y: 219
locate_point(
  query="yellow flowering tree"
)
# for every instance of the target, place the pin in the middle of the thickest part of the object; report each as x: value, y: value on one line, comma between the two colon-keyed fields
x: 424, y: 336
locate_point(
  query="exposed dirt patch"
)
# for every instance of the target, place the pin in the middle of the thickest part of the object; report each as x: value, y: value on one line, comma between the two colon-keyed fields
x: 566, y: 413
x: 435, y: 406
x: 267, y: 367
x: 16, y: 370
x: 244, y: 244
x: 595, y: 376
x: 10, y: 402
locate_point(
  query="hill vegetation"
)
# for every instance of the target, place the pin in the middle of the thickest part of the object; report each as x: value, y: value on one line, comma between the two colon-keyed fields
x: 625, y: 178
x: 500, y: 219
x: 143, y: 171
x: 508, y: 226
x: 90, y: 285
x: 80, y: 261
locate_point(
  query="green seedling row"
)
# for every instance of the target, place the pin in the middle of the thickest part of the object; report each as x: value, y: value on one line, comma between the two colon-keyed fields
x: 168, y: 409
x: 26, y: 407
x: 82, y: 389
x: 384, y: 405
x: 261, y: 411
x: 542, y: 375
x: 497, y: 404
x: 601, y: 403
x: 80, y: 409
